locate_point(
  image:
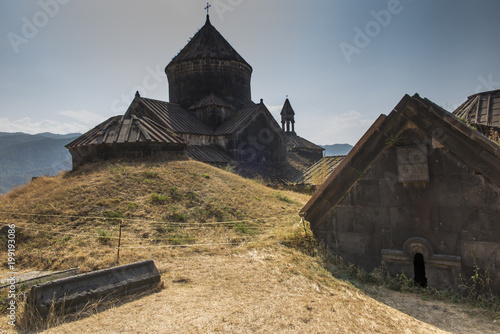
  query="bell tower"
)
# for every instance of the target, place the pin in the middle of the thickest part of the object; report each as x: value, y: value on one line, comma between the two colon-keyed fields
x: 288, y: 117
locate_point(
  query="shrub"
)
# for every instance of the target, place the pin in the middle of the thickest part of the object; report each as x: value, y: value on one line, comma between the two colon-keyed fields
x: 158, y: 199
x: 150, y: 175
x: 283, y: 198
x: 103, y: 236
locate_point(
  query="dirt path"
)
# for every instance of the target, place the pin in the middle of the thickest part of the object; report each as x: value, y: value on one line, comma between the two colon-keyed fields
x: 449, y: 317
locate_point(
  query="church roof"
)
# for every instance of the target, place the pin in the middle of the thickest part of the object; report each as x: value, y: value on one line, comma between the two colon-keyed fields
x: 121, y: 129
x: 287, y: 109
x: 208, y: 43
x: 482, y: 108
x: 297, y: 142
x: 242, y: 118
x: 208, y: 154
x: 178, y: 120
x: 236, y: 122
x: 210, y: 100
x: 171, y: 115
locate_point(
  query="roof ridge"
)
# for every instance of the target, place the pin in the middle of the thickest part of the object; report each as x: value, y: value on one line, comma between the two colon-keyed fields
x: 175, y: 117
x: 210, y: 99
x: 427, y: 118
x: 484, y: 93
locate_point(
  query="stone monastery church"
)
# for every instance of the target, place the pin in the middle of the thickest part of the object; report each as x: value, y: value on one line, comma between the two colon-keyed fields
x: 210, y: 116
x: 419, y: 193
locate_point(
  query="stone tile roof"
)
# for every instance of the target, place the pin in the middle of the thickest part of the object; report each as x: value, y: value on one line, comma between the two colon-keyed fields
x: 121, y: 129
x: 287, y: 109
x: 178, y: 120
x: 482, y: 109
x: 319, y: 171
x: 243, y: 116
x: 208, y: 43
x: 173, y: 116
x: 237, y: 122
x: 210, y: 100
x: 296, y: 142
x: 208, y: 154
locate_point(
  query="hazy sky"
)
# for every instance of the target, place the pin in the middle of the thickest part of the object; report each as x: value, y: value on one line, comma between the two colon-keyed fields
x: 66, y: 65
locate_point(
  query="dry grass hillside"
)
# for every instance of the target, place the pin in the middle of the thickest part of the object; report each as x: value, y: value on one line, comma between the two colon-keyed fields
x: 73, y: 219
x: 232, y: 254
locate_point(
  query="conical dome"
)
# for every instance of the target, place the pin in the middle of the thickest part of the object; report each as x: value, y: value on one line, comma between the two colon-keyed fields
x: 208, y: 64
x: 287, y: 110
x: 208, y: 43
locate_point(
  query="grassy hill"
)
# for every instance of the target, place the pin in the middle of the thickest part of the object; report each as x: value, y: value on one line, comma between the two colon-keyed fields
x: 232, y: 255
x: 158, y: 204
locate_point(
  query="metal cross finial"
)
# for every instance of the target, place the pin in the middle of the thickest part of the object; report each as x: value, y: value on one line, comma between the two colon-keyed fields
x: 207, y: 8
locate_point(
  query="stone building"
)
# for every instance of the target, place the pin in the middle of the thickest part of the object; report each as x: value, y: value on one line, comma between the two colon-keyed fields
x: 125, y: 137
x: 482, y: 110
x: 211, y: 114
x: 294, y: 143
x: 420, y: 192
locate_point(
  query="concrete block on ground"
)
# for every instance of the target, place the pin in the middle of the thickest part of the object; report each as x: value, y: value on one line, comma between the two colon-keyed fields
x: 73, y: 293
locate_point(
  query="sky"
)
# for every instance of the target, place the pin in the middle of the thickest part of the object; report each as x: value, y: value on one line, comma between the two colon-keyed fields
x: 67, y: 65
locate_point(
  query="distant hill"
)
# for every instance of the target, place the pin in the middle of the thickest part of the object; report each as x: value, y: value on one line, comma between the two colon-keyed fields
x: 23, y: 156
x: 337, y: 149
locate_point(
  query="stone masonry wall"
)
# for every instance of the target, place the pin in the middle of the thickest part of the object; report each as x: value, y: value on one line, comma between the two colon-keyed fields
x: 453, y: 218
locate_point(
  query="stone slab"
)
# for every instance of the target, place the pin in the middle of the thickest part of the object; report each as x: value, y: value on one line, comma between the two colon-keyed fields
x: 27, y: 280
x: 412, y: 163
x: 73, y: 293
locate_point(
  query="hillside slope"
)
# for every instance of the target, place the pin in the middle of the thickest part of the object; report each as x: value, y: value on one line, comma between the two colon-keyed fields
x: 23, y: 156
x: 225, y: 247
x: 182, y: 202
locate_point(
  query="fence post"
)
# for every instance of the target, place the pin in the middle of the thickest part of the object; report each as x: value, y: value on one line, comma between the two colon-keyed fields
x: 119, y: 242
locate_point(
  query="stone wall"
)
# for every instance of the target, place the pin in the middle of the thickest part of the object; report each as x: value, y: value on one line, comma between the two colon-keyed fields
x: 92, y: 153
x: 192, y: 80
x: 258, y: 142
x: 451, y: 218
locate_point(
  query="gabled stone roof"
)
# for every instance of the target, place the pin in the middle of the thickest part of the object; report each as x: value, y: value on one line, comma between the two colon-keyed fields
x: 121, y: 129
x: 171, y: 115
x: 210, y: 100
x: 208, y: 43
x: 473, y: 148
x: 296, y: 143
x: 208, y: 154
x: 243, y: 117
x: 178, y: 120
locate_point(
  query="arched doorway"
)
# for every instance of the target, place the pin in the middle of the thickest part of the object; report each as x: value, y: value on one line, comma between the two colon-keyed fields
x: 419, y: 269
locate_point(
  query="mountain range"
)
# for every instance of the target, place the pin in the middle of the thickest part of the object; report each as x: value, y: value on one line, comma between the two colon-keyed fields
x: 24, y: 156
x: 337, y: 149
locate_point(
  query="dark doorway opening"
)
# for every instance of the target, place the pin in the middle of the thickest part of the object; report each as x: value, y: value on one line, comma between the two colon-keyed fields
x: 419, y: 268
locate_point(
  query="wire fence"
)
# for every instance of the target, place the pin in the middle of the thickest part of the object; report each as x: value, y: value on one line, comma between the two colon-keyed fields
x: 251, y: 224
